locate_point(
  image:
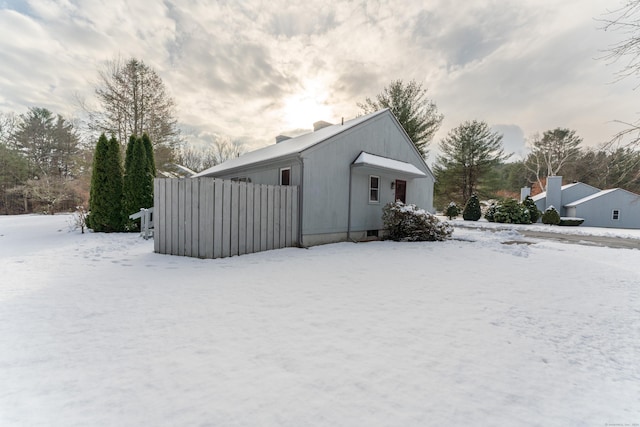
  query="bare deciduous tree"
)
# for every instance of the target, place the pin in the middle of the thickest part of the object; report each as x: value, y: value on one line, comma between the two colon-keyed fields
x: 552, y: 152
x: 626, y: 20
x: 134, y: 100
x: 199, y: 159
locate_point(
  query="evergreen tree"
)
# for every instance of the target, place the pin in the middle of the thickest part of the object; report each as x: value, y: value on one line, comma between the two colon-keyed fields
x: 470, y: 153
x: 551, y: 216
x: 105, y: 200
x: 148, y: 147
x: 129, y: 153
x: 452, y: 210
x: 472, y: 211
x: 408, y: 102
x: 138, y: 182
x: 534, y: 212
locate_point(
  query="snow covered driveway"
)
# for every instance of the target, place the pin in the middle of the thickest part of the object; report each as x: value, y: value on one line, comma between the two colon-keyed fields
x: 98, y: 330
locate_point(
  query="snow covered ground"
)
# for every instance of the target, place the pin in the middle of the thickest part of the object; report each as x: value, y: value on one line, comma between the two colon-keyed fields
x: 97, y: 330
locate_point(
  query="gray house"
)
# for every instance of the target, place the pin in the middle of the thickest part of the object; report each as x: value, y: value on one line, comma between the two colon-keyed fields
x: 346, y: 173
x: 616, y: 208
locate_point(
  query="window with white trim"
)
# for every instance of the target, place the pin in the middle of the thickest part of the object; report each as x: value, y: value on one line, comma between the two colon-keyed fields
x: 374, y: 189
x: 285, y: 176
x: 615, y: 214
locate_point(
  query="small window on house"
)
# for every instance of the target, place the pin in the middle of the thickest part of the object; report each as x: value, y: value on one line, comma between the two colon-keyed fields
x: 615, y: 215
x: 374, y: 189
x: 285, y: 176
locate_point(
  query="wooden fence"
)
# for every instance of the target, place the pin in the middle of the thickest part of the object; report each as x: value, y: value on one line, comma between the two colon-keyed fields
x: 213, y: 218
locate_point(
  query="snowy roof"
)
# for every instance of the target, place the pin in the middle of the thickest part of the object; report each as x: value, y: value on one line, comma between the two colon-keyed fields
x: 591, y: 197
x: 564, y: 187
x: 366, y: 159
x: 288, y: 147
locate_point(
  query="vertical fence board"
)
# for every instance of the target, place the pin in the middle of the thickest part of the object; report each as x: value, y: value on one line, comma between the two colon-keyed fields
x: 295, y: 201
x: 182, y: 208
x: 257, y: 214
x: 195, y: 218
x: 207, y: 219
x: 242, y: 218
x: 188, y: 220
x: 226, y: 218
x: 264, y: 206
x: 276, y: 219
x: 158, y: 210
x: 217, y: 219
x: 249, y: 223
x: 174, y: 217
x: 287, y: 236
x: 270, y: 215
x: 234, y: 217
x: 283, y: 216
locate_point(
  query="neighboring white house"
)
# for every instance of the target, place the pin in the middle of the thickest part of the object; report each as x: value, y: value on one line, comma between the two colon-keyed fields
x: 346, y: 174
x: 615, y: 208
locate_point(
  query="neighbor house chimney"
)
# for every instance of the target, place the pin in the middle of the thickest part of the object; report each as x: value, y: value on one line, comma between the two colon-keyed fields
x: 554, y: 192
x: 281, y: 138
x: 524, y: 193
x: 321, y: 124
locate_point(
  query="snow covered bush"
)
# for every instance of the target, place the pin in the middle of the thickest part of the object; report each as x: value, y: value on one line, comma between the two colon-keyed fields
x: 452, y: 210
x: 411, y: 224
x: 534, y: 212
x: 510, y: 211
x: 551, y: 216
x: 472, y: 211
x: 490, y: 213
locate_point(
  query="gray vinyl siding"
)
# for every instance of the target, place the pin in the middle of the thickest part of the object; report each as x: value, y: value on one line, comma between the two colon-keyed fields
x: 268, y: 173
x: 597, y: 212
x: 326, y: 178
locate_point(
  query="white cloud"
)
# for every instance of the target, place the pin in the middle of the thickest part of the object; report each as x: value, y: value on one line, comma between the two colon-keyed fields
x: 234, y: 67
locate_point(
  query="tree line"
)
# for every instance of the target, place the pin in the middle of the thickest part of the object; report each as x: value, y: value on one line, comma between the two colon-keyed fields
x: 46, y: 159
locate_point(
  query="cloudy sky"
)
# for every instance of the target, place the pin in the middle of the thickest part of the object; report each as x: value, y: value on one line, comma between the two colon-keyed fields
x: 251, y: 69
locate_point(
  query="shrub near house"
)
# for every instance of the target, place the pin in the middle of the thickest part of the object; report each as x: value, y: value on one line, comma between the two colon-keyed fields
x: 551, y: 216
x: 411, y: 224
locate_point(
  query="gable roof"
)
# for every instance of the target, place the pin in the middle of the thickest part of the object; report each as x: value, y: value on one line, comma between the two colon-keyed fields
x: 597, y: 195
x: 290, y: 146
x: 542, y: 195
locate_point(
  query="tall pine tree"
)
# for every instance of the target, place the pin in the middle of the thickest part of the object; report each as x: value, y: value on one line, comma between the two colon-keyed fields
x: 105, y: 200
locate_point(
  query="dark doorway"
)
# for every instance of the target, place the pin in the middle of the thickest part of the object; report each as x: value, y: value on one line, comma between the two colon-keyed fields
x: 401, y: 190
